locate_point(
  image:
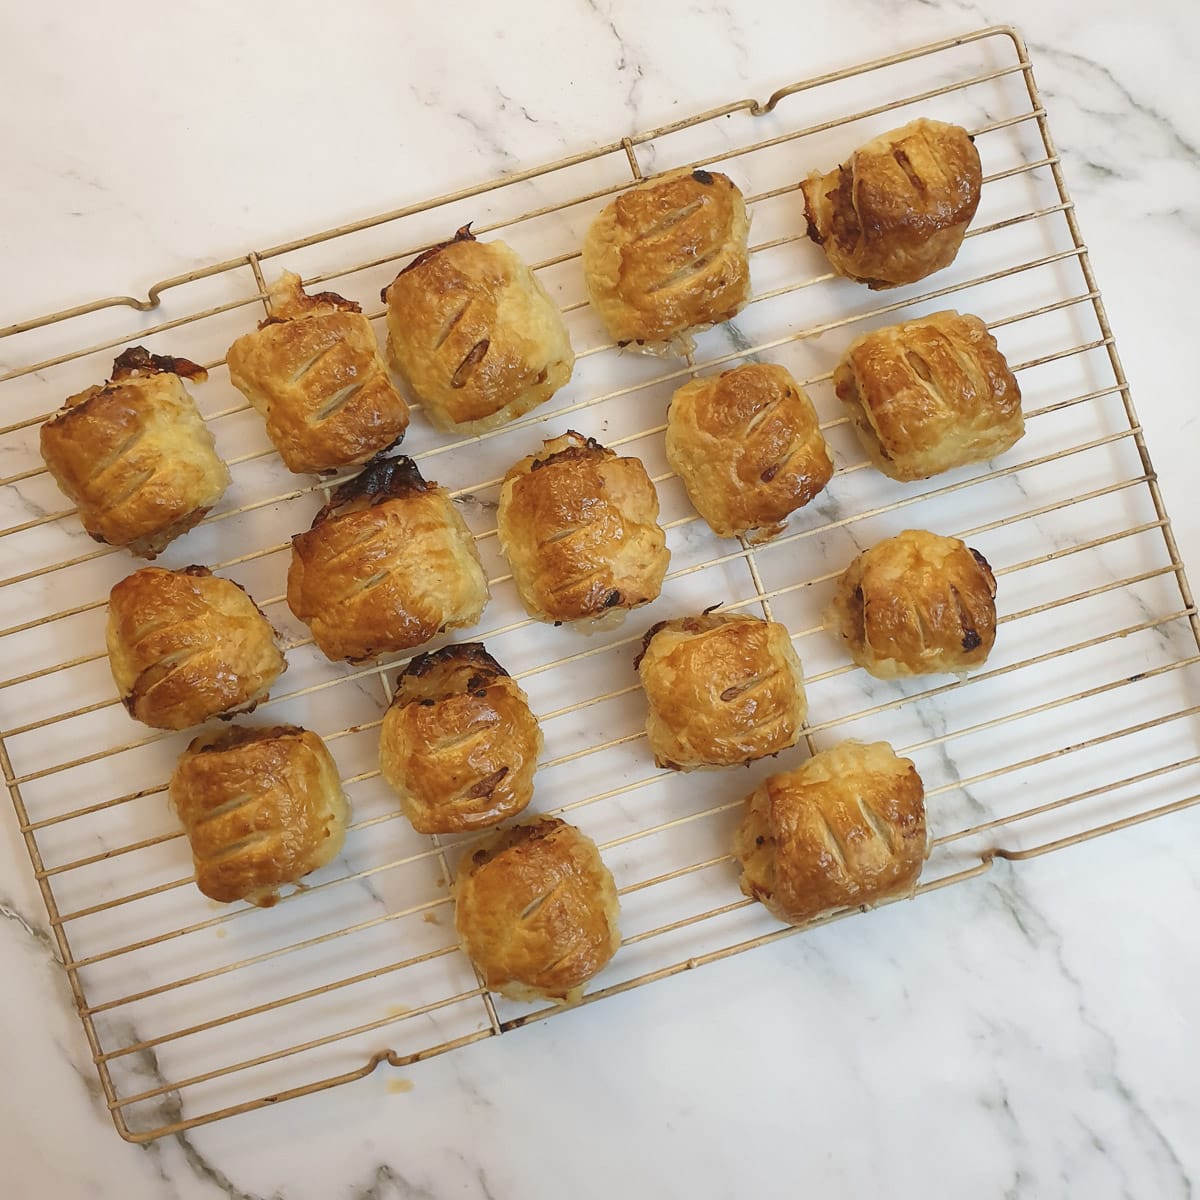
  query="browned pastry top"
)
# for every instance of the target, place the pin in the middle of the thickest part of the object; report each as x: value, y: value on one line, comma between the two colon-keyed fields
x: 536, y: 910
x: 898, y: 210
x: 748, y: 446
x: 668, y: 258
x: 580, y: 529
x: 187, y: 645
x: 846, y: 828
x: 262, y: 807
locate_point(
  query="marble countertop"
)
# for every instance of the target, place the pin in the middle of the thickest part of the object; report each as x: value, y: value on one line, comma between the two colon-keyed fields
x: 1032, y: 1033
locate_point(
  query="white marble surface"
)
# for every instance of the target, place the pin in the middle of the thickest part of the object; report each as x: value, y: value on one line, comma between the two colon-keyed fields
x: 1032, y: 1033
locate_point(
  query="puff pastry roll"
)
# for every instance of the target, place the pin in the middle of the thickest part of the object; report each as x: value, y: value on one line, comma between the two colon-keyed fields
x: 187, y: 645
x: 930, y: 395
x: 135, y: 455
x: 580, y: 529
x: 722, y: 689
x: 262, y: 808
x: 898, y: 210
x: 314, y: 371
x: 473, y: 335
x: 459, y: 744
x: 748, y: 446
x: 668, y: 259
x: 536, y: 911
x: 388, y: 564
x: 916, y: 604
x: 847, y: 828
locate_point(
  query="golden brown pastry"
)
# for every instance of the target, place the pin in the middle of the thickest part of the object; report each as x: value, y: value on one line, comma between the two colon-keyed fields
x: 536, y: 911
x: 668, y: 259
x: 916, y: 604
x: 314, y: 371
x: 459, y: 744
x: 847, y: 828
x: 748, y: 447
x: 898, y: 210
x: 135, y: 455
x: 580, y: 529
x: 261, y: 807
x: 187, y: 645
x: 388, y: 564
x: 723, y: 689
x: 474, y: 336
x: 930, y: 395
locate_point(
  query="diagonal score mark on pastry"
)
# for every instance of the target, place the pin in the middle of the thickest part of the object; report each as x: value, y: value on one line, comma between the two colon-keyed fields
x: 580, y: 529
x: 459, y: 744
x: 668, y: 259
x: 721, y: 689
x: 187, y: 645
x: 898, y: 209
x: 929, y: 395
x: 474, y: 336
x: 262, y: 808
x: 747, y: 445
x: 846, y: 828
x: 135, y: 455
x: 388, y: 565
x: 314, y: 371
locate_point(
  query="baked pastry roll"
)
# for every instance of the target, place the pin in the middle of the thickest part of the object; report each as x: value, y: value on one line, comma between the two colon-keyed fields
x: 536, y: 910
x: 388, y: 564
x: 748, y: 446
x: 668, y: 259
x: 916, y: 604
x: 473, y: 335
x: 135, y: 455
x: 262, y: 808
x: 314, y: 371
x: 898, y: 210
x: 722, y: 689
x: 930, y: 395
x: 459, y: 744
x: 845, y: 829
x: 580, y: 529
x: 187, y: 645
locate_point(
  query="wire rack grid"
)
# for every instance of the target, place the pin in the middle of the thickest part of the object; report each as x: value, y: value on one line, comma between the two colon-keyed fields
x: 1095, y: 666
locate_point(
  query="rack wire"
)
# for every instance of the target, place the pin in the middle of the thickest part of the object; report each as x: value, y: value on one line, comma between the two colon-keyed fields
x: 1027, y: 756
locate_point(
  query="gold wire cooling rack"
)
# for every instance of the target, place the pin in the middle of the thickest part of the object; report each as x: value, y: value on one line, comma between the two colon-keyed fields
x: 1094, y: 670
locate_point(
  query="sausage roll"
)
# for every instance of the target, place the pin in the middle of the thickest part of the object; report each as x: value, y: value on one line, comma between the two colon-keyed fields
x: 930, y: 395
x: 473, y: 335
x: 722, y: 689
x: 536, y: 911
x: 135, y: 455
x: 668, y: 259
x: 748, y: 447
x: 388, y: 564
x: 845, y: 829
x: 262, y: 808
x: 459, y: 744
x: 898, y: 210
x: 916, y: 604
x: 580, y: 529
x: 314, y: 371
x: 187, y: 645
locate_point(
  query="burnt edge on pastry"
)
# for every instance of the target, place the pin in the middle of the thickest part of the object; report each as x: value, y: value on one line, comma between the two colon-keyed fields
x: 473, y: 654
x: 517, y: 835
x: 694, y: 624
x: 589, y: 449
x: 242, y: 735
x: 137, y: 361
x: 462, y: 234
x: 702, y: 176
x: 309, y: 300
x: 381, y: 479
x: 986, y: 567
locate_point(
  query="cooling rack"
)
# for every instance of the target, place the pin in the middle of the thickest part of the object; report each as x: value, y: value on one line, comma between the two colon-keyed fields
x: 1083, y: 721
